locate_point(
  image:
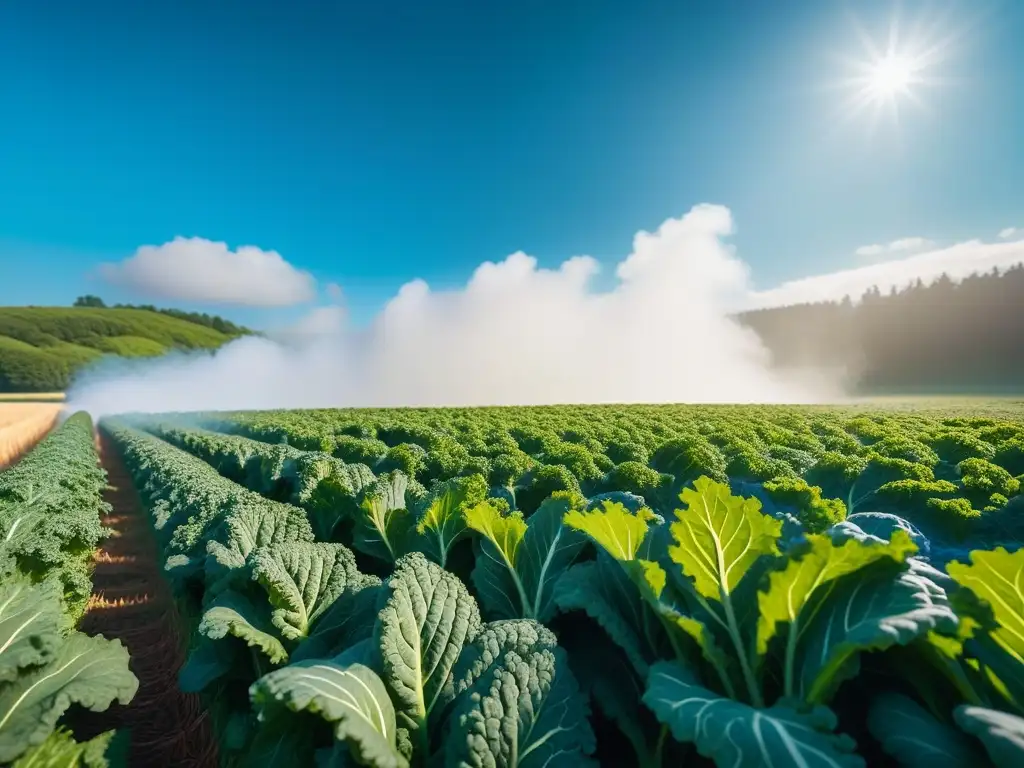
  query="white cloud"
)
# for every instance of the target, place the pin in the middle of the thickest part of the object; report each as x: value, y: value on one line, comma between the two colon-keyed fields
x: 319, y: 323
x: 514, y: 334
x: 334, y: 292
x: 203, y: 271
x: 902, y: 245
x: 1009, y: 232
x: 957, y: 261
x: 909, y: 244
x: 870, y: 250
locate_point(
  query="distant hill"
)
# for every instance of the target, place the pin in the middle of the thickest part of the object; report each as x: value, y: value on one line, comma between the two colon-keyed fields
x: 41, y: 348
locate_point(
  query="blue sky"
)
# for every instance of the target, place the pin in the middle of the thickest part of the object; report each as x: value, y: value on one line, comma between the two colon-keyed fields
x: 373, y: 143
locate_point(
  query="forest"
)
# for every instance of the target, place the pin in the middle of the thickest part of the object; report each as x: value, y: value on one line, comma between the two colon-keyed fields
x: 944, y: 338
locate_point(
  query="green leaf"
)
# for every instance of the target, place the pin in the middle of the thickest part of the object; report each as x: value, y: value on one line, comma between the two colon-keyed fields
x: 384, y: 524
x: 349, y: 620
x: 658, y: 611
x: 280, y: 743
x: 89, y: 671
x: 233, y: 614
x: 327, y: 488
x: 526, y: 711
x: 480, y: 657
x: 613, y: 527
x: 987, y: 673
x: 269, y: 466
x: 910, y: 734
x: 520, y: 561
x: 549, y: 547
x: 364, y: 652
x: 61, y: 749
x: 208, y: 661
x: 733, y: 734
x: 794, y: 589
x: 336, y: 756
x: 18, y: 524
x: 615, y: 688
x: 30, y: 624
x: 495, y: 575
x: 685, y: 615
x: 421, y: 630
x: 1000, y: 732
x: 440, y: 522
x: 302, y: 580
x: 245, y: 527
x: 688, y: 458
x: 871, y: 610
x: 352, y: 698
x: 1001, y: 672
x: 718, y: 539
x: 997, y: 577
x: 604, y: 590
x: 236, y: 732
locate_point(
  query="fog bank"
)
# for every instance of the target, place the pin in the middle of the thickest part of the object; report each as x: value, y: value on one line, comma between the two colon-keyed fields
x: 514, y: 335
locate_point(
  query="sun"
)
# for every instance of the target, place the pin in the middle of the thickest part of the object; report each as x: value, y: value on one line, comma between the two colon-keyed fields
x: 890, y: 76
x: 894, y: 73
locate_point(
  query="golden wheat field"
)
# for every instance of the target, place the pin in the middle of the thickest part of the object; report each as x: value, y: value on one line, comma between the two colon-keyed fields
x: 22, y: 425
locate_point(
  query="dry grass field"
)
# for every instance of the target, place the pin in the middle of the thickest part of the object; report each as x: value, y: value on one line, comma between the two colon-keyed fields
x: 22, y: 425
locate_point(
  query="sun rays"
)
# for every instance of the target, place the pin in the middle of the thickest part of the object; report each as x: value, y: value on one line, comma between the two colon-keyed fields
x: 882, y: 80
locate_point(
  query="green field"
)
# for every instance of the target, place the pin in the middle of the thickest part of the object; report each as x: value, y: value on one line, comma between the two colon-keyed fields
x: 648, y: 585
x: 41, y: 348
x: 630, y: 585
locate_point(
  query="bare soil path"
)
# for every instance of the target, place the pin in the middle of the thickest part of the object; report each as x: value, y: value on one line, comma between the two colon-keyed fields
x: 132, y: 601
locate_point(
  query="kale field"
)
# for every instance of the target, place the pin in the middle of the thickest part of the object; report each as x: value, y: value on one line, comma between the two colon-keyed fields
x: 549, y: 586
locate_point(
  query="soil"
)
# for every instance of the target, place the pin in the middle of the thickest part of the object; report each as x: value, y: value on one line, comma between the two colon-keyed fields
x: 132, y: 601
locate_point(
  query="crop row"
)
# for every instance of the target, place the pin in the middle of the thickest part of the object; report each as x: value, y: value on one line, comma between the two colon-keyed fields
x: 957, y: 479
x: 265, y: 584
x: 50, y: 508
x: 472, y: 632
x: 323, y: 485
x: 613, y: 434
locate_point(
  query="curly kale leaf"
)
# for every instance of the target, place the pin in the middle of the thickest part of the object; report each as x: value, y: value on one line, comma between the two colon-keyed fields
x: 421, y: 630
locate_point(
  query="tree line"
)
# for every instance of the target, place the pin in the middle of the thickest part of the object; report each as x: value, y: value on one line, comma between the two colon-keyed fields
x: 944, y: 337
x: 200, y: 318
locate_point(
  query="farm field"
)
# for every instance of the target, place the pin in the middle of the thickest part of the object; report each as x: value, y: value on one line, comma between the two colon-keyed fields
x: 22, y: 425
x: 564, y: 585
x: 556, y: 385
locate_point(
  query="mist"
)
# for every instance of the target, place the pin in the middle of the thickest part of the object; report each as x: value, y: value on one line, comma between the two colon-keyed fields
x: 515, y: 334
